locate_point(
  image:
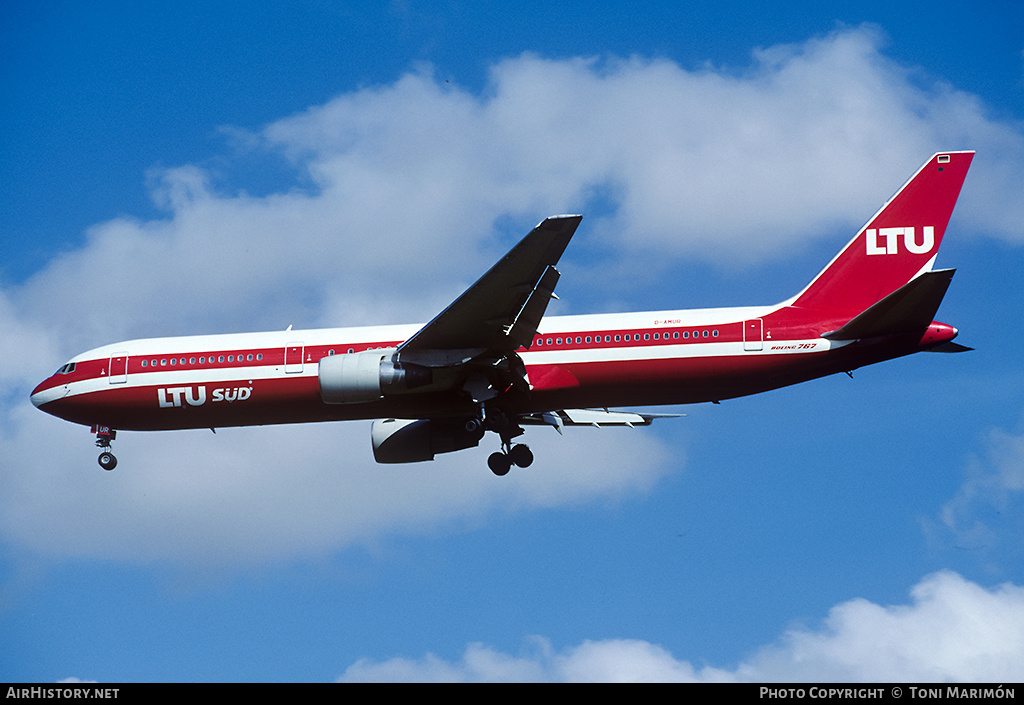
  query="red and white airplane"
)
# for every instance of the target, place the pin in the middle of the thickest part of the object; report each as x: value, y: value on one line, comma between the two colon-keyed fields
x: 491, y: 361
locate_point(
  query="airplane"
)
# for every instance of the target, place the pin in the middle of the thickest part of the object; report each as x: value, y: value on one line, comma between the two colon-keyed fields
x: 491, y: 361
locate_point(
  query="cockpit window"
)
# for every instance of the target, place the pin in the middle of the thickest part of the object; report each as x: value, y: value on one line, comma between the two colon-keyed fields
x: 66, y: 369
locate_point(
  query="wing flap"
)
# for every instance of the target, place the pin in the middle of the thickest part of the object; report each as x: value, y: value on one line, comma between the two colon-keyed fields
x: 524, y: 327
x: 592, y: 417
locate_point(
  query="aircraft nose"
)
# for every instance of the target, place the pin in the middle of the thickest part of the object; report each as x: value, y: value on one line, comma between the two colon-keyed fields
x: 47, y: 391
x: 37, y: 395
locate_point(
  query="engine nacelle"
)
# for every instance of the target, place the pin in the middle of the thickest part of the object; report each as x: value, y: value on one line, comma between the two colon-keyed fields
x: 411, y: 441
x: 367, y: 376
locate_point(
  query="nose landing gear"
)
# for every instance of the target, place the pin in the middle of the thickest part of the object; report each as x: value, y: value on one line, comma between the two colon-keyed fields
x: 104, y: 436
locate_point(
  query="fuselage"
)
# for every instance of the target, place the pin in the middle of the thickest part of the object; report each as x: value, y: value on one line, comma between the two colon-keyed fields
x: 599, y: 360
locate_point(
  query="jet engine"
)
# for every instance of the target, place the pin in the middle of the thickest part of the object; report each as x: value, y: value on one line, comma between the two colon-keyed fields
x: 412, y: 441
x: 367, y: 376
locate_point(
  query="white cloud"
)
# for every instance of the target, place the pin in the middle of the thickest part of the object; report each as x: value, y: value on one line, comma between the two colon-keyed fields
x: 616, y: 660
x: 709, y: 164
x: 193, y: 499
x: 953, y: 630
x: 984, y: 513
x: 20, y: 334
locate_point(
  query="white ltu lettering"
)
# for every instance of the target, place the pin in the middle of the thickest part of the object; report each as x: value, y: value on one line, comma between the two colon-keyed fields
x: 890, y: 238
x: 161, y: 397
x: 197, y: 400
x: 177, y: 396
x: 871, y: 235
x: 927, y: 240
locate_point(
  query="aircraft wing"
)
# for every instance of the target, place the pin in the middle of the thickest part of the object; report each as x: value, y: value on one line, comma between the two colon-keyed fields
x: 502, y: 310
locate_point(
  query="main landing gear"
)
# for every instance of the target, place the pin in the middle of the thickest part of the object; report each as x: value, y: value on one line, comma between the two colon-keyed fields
x: 104, y: 436
x: 501, y: 462
x: 519, y: 454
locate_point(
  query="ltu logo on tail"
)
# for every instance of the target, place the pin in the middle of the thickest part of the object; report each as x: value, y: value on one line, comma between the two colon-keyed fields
x: 885, y: 241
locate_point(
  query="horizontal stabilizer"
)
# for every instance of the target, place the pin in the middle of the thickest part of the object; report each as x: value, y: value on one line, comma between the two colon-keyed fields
x: 950, y: 347
x: 909, y: 309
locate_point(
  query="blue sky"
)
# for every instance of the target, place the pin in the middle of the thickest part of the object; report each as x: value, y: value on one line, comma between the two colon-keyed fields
x: 215, y: 167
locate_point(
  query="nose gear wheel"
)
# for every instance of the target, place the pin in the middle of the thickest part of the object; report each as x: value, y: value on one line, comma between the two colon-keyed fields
x: 104, y: 437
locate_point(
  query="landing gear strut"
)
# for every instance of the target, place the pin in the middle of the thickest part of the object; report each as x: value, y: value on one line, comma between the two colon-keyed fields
x: 104, y: 436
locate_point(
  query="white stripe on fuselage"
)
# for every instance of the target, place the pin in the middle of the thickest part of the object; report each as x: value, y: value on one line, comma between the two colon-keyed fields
x: 362, y: 335
x: 344, y: 338
x: 172, y: 378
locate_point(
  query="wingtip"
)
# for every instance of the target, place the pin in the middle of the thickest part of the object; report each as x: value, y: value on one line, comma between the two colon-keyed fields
x: 560, y: 223
x: 567, y: 216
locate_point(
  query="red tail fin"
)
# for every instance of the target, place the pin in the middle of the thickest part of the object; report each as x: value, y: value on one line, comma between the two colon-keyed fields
x: 896, y: 245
